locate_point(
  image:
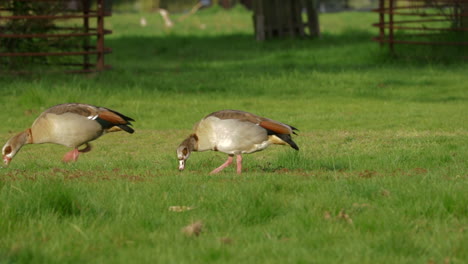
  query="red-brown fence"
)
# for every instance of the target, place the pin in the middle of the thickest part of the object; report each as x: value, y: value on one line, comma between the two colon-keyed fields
x: 423, y: 22
x: 53, y: 35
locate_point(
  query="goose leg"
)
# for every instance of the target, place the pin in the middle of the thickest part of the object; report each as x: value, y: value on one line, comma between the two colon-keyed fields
x: 224, y: 165
x: 86, y: 149
x: 239, y: 164
x: 75, y: 153
x: 71, y: 155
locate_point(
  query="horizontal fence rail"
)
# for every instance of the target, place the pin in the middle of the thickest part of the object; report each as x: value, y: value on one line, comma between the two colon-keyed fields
x: 408, y: 22
x: 50, y: 29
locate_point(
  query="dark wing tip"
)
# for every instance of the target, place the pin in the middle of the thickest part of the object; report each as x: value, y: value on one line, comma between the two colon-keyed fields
x: 287, y: 138
x: 126, y: 128
x: 124, y: 117
x: 293, y: 145
x: 293, y: 128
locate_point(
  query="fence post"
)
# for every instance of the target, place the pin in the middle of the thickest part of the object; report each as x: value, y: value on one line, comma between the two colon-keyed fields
x: 100, y: 35
x: 86, y: 30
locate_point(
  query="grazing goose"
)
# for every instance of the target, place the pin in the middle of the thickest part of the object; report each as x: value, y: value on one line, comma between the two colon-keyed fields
x: 234, y: 132
x: 71, y: 125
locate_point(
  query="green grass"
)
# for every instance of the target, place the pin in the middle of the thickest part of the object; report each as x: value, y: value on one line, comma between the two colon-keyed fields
x: 381, y: 176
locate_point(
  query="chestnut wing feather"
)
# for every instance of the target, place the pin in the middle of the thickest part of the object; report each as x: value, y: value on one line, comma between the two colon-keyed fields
x: 266, y: 123
x: 275, y: 127
x: 109, y: 118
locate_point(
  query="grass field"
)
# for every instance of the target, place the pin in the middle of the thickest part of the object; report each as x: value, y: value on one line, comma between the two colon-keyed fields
x: 381, y: 176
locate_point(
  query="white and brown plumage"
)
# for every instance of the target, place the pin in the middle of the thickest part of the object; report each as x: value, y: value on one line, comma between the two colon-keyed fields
x: 234, y: 132
x: 71, y: 125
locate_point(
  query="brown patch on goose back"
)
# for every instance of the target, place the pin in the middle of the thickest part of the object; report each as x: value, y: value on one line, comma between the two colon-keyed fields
x: 79, y: 109
x: 7, y: 150
x: 30, y: 136
x: 236, y: 114
x: 266, y: 123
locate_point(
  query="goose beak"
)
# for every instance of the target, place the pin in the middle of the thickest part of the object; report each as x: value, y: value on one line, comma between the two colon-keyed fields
x: 6, y: 160
x: 181, y: 165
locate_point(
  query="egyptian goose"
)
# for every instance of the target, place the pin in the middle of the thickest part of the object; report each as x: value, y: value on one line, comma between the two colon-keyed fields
x: 234, y: 132
x: 71, y: 125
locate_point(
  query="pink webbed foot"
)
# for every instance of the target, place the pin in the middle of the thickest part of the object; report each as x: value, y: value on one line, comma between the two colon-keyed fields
x: 75, y: 153
x: 71, y: 156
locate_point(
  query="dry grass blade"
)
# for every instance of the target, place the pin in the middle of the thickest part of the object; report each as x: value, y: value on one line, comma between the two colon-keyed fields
x: 179, y: 209
x: 194, y: 229
x: 343, y: 215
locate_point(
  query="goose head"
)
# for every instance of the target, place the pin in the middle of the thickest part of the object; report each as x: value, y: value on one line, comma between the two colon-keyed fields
x: 13, y: 145
x: 185, y: 149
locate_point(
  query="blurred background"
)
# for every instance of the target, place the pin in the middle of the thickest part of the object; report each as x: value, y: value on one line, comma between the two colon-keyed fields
x: 186, y: 5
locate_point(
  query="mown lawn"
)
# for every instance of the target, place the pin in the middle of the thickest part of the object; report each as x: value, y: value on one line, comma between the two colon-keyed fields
x: 381, y: 175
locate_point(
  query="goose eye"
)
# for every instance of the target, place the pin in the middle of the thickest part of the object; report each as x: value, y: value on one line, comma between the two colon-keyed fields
x: 7, y: 150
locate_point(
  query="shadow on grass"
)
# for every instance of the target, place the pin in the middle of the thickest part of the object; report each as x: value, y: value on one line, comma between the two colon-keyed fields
x: 348, y: 64
x: 240, y: 53
x: 334, y: 64
x: 351, y: 50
